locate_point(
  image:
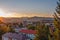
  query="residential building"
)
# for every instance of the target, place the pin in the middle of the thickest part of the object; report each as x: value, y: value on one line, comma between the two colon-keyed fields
x: 14, y: 36
x: 29, y: 33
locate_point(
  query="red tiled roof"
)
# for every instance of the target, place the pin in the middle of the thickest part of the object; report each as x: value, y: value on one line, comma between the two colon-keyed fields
x: 28, y: 31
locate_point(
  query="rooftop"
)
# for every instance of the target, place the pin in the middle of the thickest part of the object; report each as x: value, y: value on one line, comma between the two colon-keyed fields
x: 28, y: 31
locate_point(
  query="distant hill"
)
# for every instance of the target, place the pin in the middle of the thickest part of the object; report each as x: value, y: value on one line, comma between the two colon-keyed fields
x: 13, y: 20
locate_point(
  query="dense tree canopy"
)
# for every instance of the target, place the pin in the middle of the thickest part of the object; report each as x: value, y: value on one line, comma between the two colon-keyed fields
x: 57, y: 22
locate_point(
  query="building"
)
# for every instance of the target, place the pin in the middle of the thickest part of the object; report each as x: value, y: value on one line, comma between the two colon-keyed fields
x: 14, y: 36
x: 29, y: 33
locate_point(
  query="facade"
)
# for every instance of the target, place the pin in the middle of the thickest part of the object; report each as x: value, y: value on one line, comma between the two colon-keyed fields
x: 29, y: 33
x: 14, y: 36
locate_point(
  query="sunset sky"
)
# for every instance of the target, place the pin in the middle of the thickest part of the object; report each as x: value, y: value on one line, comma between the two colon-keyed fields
x: 27, y: 8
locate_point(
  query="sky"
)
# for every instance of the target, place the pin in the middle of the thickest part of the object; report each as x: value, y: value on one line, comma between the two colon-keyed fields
x: 27, y: 8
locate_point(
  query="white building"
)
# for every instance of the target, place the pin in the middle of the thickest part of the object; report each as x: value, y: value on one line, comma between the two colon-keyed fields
x: 13, y: 36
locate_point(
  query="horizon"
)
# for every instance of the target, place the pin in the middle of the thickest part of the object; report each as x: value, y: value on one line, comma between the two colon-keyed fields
x: 27, y: 17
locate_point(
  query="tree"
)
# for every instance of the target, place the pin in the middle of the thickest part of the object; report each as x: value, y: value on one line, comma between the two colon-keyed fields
x: 42, y: 32
x: 11, y: 30
x: 31, y: 27
x: 21, y: 25
x: 56, y: 15
x: 57, y: 22
x: 1, y: 33
x: 3, y: 29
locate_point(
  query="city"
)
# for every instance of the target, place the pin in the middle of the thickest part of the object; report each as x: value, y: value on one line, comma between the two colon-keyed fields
x: 24, y: 29
x: 29, y: 19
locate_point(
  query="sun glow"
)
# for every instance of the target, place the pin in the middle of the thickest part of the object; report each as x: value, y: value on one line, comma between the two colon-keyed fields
x: 4, y: 14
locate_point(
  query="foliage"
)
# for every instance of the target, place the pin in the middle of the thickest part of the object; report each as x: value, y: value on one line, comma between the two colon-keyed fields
x: 4, y: 29
x: 57, y: 22
x: 42, y: 32
x: 21, y: 25
x: 56, y: 16
x: 12, y: 30
x: 30, y: 27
